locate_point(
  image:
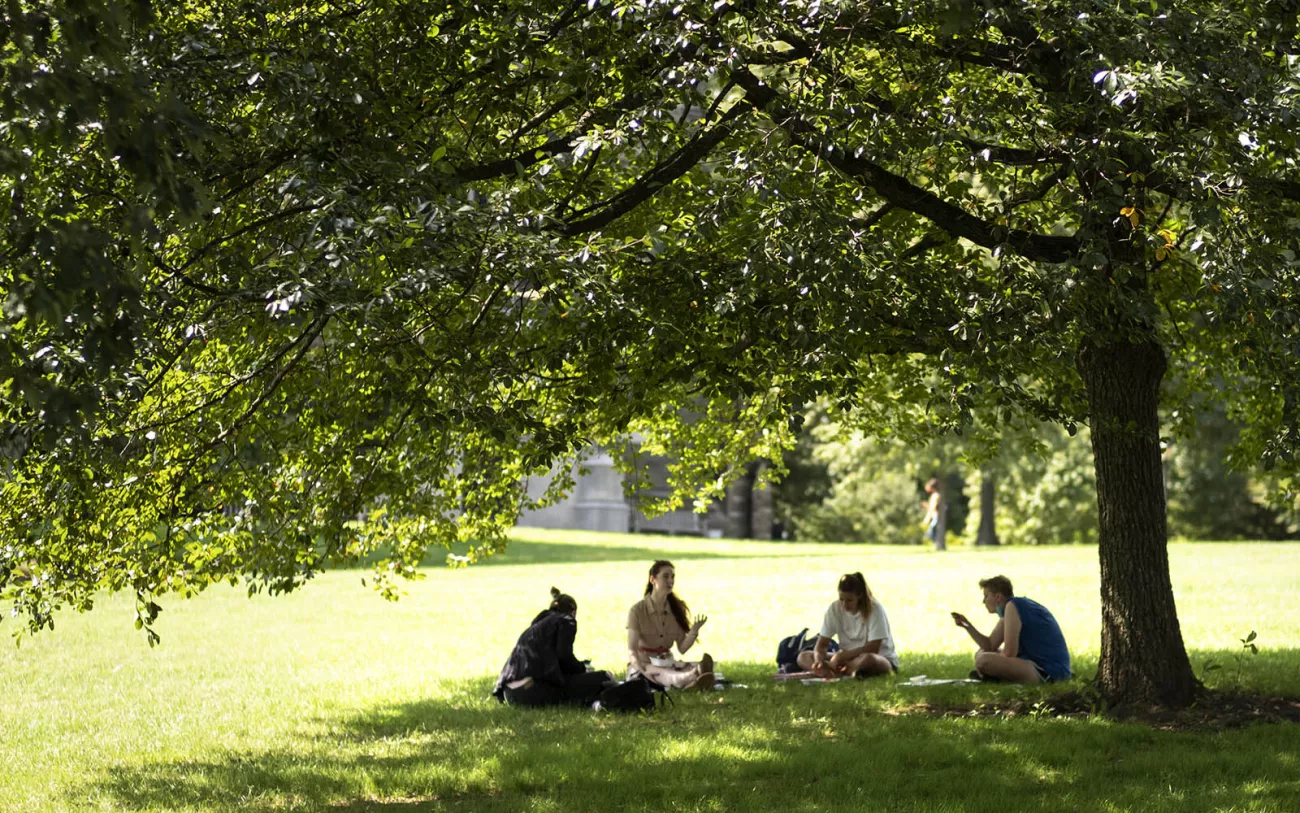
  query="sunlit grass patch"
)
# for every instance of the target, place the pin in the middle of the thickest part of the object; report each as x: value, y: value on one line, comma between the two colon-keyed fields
x: 333, y: 699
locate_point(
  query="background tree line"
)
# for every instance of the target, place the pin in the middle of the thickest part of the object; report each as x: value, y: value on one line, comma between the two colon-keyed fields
x: 844, y: 486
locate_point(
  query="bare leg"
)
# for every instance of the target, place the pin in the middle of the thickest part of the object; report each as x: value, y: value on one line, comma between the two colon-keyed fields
x: 805, y: 661
x: 870, y: 664
x: 683, y: 674
x: 705, y: 677
x: 1012, y: 670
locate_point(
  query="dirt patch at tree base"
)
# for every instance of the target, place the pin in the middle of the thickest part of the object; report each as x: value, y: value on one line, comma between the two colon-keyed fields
x: 1212, y: 711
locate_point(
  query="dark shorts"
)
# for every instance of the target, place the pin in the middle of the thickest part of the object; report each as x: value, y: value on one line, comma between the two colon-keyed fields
x: 1043, y: 674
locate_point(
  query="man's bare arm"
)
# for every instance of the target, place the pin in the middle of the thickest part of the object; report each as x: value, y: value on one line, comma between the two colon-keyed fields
x: 981, y: 640
x: 1011, y: 629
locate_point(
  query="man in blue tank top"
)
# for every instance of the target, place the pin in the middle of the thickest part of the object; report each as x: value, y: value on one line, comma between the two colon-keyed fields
x: 1026, y: 646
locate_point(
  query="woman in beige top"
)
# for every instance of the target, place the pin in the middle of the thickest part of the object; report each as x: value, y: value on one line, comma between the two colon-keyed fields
x: 654, y: 624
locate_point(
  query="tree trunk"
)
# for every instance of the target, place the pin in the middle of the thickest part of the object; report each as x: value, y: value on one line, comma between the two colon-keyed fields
x: 737, y: 506
x: 988, y: 532
x: 1143, y: 660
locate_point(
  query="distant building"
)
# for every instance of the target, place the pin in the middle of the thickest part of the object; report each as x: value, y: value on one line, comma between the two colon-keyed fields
x: 599, y: 504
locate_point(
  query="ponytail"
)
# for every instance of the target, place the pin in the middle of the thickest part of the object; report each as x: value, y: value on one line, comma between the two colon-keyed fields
x: 856, y: 584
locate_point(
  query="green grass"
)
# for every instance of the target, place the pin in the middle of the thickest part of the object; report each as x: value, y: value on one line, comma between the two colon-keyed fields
x: 333, y: 699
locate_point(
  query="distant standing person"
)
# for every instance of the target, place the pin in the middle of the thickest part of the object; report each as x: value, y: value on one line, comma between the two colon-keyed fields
x: 936, y: 510
x: 658, y: 622
x: 1026, y: 645
x: 541, y: 669
x: 859, y: 623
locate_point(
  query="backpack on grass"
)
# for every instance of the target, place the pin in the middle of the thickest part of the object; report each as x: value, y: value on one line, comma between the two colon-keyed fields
x: 637, y: 694
x: 787, y: 652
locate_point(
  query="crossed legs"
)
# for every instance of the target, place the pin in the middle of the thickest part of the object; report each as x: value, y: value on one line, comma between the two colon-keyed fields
x: 1012, y: 670
x: 868, y: 664
x: 682, y: 674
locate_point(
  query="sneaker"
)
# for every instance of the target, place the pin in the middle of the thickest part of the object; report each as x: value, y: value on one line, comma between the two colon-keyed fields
x: 976, y: 674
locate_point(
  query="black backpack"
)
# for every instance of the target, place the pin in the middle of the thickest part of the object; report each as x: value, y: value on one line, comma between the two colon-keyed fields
x: 787, y: 652
x: 637, y: 694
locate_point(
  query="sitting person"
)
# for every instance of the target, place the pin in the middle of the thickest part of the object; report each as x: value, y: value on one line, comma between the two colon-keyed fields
x: 861, y: 626
x: 654, y: 625
x: 1026, y: 645
x: 541, y: 670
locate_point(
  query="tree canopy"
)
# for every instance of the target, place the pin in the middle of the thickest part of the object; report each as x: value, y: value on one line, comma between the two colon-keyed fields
x: 287, y: 283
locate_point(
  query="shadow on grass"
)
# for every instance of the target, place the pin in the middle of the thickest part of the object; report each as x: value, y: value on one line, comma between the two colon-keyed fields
x: 844, y: 746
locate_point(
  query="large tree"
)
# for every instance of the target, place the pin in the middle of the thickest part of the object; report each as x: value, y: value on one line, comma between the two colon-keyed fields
x: 289, y: 282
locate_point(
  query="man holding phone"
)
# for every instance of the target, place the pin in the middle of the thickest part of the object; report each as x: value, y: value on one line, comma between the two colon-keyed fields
x: 1026, y: 645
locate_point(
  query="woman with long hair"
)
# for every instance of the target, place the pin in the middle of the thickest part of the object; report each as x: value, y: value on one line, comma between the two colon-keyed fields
x: 655, y: 624
x: 859, y: 623
x: 541, y: 669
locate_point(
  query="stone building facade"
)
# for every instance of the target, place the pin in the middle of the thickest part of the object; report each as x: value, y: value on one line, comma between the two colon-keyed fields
x: 598, y: 503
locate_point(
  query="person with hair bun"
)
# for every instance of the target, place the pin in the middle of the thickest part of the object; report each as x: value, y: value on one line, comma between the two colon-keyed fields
x: 861, y: 626
x: 655, y: 624
x: 542, y: 670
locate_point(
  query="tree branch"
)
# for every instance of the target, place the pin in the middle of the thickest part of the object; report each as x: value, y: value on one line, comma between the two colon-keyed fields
x: 304, y: 343
x: 1039, y: 192
x: 563, y: 207
x: 1011, y: 156
x: 309, y: 334
x: 556, y: 146
x: 255, y: 225
x: 662, y: 174
x: 864, y: 223
x: 901, y: 192
x: 923, y: 245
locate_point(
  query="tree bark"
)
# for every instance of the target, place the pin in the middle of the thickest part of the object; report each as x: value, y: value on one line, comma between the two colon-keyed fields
x: 738, y: 505
x: 1143, y: 660
x: 988, y: 532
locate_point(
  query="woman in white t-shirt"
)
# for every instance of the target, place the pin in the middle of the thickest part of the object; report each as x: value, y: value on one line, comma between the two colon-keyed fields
x: 861, y: 626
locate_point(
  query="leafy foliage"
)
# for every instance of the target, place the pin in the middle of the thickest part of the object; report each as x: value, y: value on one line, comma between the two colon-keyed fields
x: 844, y: 486
x: 289, y: 283
x: 874, y: 500
x: 1049, y: 496
x: 1208, y: 498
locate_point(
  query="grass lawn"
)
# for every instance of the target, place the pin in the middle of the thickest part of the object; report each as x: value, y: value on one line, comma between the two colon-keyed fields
x: 333, y: 699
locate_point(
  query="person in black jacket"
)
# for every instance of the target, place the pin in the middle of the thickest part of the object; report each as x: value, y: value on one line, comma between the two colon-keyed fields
x: 542, y: 670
